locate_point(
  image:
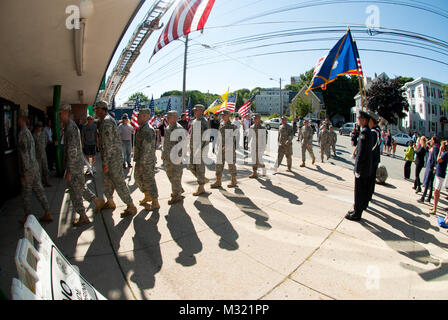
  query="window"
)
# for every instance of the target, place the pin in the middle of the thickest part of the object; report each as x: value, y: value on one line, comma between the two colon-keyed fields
x: 427, y: 91
x: 428, y: 109
x: 412, y: 94
x: 413, y: 108
x: 10, y: 126
x: 421, y: 108
x: 419, y: 92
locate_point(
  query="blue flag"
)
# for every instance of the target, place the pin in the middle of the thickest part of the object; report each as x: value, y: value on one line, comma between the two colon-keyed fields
x: 341, y: 60
x: 151, y: 106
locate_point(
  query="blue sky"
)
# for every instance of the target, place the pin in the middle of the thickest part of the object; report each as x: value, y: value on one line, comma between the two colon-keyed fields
x: 220, y: 67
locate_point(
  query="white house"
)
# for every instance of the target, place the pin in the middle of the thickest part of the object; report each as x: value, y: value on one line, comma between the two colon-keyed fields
x: 268, y: 100
x: 425, y: 114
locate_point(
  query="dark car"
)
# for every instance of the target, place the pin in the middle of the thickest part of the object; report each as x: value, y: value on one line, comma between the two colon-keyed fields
x: 347, y: 128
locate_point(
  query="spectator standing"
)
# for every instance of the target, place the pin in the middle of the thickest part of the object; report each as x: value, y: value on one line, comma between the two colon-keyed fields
x: 431, y: 162
x: 89, y: 138
x: 125, y: 130
x: 408, y: 158
x: 420, y: 152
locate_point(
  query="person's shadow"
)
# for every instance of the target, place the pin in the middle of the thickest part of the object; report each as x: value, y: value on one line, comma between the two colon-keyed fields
x: 268, y: 185
x: 218, y: 222
x: 249, y: 208
x: 324, y: 172
x: 305, y: 180
x: 147, y: 254
x: 184, y: 234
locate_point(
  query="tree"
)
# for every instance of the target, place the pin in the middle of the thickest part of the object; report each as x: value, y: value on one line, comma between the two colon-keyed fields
x: 445, y: 97
x: 302, y: 107
x: 338, y: 97
x: 304, y: 80
x: 403, y: 80
x: 141, y: 95
x: 387, y: 99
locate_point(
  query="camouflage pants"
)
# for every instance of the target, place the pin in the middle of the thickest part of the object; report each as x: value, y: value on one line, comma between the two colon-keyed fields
x: 33, y: 183
x: 145, y: 180
x: 78, y: 190
x: 307, y: 147
x: 43, y: 166
x: 199, y: 172
x: 333, y: 146
x: 174, y: 173
x: 284, y: 151
x: 114, y: 180
x: 232, y: 167
x: 324, y: 150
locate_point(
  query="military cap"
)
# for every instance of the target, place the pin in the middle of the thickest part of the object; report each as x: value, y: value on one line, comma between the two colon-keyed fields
x: 171, y: 113
x: 198, y: 107
x: 125, y: 116
x: 145, y: 111
x: 283, y: 117
x: 66, y: 107
x: 101, y: 105
x: 257, y: 115
x: 363, y: 114
x: 226, y: 112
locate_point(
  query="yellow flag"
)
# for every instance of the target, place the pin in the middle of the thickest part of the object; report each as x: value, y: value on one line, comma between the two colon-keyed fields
x: 215, y: 106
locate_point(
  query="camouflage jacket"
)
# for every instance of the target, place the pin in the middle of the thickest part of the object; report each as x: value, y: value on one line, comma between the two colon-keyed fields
x: 109, y: 142
x: 27, y: 153
x: 222, y: 130
x: 201, y: 125
x: 285, y: 134
x: 324, y: 138
x: 144, y: 147
x: 307, y: 134
x: 333, y: 137
x: 40, y: 141
x: 73, y: 156
x: 168, y: 145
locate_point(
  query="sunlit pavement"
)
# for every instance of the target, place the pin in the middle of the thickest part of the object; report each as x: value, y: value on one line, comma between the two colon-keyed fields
x: 282, y: 236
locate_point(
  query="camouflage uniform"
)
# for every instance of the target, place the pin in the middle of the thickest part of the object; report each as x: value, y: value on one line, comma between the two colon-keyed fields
x: 197, y: 165
x: 325, y: 143
x: 74, y: 164
x: 29, y: 170
x: 334, y: 140
x: 173, y: 170
x: 221, y: 159
x: 40, y: 140
x: 307, y: 142
x: 258, y: 132
x: 145, y: 157
x: 112, y: 156
x: 285, y: 134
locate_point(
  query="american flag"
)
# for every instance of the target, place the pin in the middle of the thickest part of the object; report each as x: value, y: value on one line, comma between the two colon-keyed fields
x: 153, y: 112
x: 231, y: 103
x: 168, y: 108
x: 245, y: 108
x: 188, y: 16
x: 358, y: 60
x: 134, y: 121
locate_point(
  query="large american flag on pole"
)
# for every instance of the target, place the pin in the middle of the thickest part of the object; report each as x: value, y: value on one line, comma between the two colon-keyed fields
x: 153, y: 112
x: 134, y: 121
x: 188, y: 16
x: 168, y: 108
x: 245, y: 108
x: 230, y: 106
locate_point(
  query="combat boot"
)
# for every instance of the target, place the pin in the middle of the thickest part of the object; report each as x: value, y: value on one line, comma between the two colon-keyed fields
x: 110, y: 204
x: 303, y: 164
x: 99, y: 204
x: 254, y: 175
x: 201, y: 190
x: 217, y: 184
x: 314, y: 160
x: 234, y: 183
x: 206, y: 180
x: 130, y: 211
x: 153, y: 206
x: 46, y: 217
x: 175, y: 199
x: 146, y: 199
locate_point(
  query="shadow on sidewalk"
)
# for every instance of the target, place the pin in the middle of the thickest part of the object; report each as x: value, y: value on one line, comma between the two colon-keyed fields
x: 325, y: 172
x: 268, y: 185
x: 249, y: 208
x: 184, y: 234
x: 218, y: 222
x: 305, y: 180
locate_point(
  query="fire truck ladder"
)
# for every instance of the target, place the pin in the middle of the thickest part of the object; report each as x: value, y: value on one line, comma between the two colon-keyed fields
x: 132, y: 50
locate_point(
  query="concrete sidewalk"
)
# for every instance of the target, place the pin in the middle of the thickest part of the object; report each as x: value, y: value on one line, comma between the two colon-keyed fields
x: 282, y: 236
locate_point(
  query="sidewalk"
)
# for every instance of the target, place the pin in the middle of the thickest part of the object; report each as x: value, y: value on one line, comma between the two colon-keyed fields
x: 282, y: 236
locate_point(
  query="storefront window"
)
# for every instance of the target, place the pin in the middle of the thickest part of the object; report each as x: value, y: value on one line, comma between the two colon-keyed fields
x: 9, y: 127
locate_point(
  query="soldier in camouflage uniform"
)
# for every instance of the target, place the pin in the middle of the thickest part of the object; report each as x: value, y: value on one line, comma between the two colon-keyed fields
x: 334, y: 139
x: 74, y: 169
x: 257, y: 136
x: 29, y: 172
x: 145, y: 160
x: 175, y: 137
x: 112, y: 158
x: 285, y: 136
x: 226, y: 148
x: 307, y: 142
x: 197, y: 144
x: 40, y: 141
x: 325, y: 143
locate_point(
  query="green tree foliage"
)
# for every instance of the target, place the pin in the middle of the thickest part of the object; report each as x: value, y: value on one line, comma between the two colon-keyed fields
x: 387, y: 99
x: 141, y: 95
x: 274, y: 115
x: 302, y: 107
x: 339, y: 96
x: 304, y: 81
x: 403, y: 80
x: 445, y: 97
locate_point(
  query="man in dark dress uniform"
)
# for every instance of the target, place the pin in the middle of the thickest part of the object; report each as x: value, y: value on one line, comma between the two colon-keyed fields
x: 363, y: 168
x: 376, y: 153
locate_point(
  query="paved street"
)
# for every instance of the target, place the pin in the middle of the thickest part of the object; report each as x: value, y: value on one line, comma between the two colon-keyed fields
x: 283, y: 236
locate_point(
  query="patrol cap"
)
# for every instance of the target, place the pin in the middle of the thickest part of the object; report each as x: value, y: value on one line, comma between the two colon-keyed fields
x: 226, y: 112
x: 171, y: 113
x: 257, y: 115
x: 363, y: 114
x: 66, y: 107
x: 101, y: 105
x: 198, y: 107
x: 145, y: 111
x: 125, y: 116
x: 283, y: 117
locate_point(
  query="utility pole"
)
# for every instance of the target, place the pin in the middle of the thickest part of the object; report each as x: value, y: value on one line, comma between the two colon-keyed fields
x: 430, y: 108
x: 185, y: 75
x: 281, y: 98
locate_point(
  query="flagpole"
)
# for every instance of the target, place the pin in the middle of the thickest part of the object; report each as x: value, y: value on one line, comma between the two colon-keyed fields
x: 185, y: 74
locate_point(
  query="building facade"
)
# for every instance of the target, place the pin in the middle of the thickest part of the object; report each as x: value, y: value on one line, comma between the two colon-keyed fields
x: 268, y: 101
x: 161, y: 103
x: 317, y: 102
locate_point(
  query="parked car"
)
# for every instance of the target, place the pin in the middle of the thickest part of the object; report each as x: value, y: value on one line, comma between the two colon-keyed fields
x: 402, y: 139
x: 274, y: 123
x: 347, y: 128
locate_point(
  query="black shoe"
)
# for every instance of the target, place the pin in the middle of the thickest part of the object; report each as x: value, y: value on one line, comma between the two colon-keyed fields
x: 420, y: 201
x: 352, y: 216
x: 429, y: 200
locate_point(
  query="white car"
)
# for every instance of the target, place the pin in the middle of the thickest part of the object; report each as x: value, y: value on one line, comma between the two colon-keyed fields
x: 402, y: 139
